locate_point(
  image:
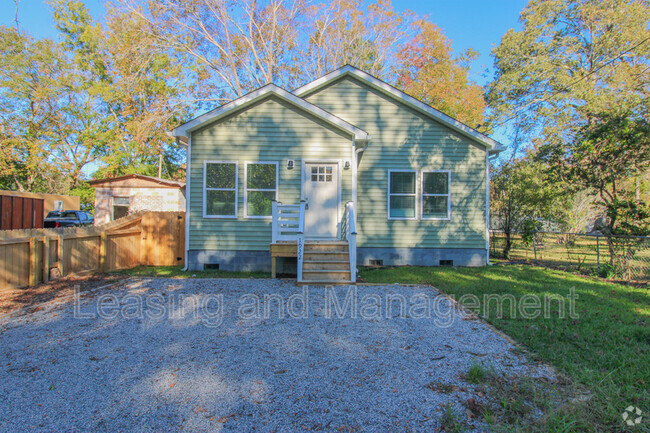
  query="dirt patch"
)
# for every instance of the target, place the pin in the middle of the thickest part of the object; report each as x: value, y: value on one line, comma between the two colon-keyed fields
x: 59, y: 290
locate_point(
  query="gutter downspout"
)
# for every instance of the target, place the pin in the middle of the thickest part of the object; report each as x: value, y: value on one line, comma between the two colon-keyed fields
x: 355, y: 171
x: 187, y: 199
x: 487, y: 206
x: 487, y: 203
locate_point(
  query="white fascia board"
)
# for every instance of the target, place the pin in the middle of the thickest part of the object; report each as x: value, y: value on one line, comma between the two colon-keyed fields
x: 256, y: 95
x: 493, y: 145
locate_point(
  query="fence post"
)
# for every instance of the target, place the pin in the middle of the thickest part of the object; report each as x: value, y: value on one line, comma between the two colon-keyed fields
x: 33, y: 262
x: 534, y: 245
x: 102, y: 251
x: 60, y: 254
x: 46, y: 259
x: 598, y: 253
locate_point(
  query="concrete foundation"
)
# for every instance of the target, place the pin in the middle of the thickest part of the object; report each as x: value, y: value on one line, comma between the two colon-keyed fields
x: 261, y: 260
x: 422, y: 256
x: 245, y: 261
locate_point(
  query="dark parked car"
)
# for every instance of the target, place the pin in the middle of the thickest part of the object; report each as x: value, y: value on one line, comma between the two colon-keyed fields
x: 68, y: 218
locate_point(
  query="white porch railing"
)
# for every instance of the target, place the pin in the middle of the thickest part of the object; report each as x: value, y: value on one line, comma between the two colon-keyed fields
x: 288, y: 224
x: 288, y: 221
x: 349, y: 233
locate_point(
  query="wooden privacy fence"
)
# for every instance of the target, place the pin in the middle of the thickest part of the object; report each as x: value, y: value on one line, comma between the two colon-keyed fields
x: 20, y: 212
x: 28, y: 257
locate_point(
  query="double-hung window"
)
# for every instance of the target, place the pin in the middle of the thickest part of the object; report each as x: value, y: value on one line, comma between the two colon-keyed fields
x: 220, y: 189
x: 401, y: 194
x: 435, y: 195
x: 261, y: 189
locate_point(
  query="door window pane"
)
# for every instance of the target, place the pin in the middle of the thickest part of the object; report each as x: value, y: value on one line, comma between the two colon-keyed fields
x: 322, y: 173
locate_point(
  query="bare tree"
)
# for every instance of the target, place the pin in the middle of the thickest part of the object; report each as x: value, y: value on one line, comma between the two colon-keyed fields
x: 343, y: 34
x: 236, y: 46
x: 233, y: 47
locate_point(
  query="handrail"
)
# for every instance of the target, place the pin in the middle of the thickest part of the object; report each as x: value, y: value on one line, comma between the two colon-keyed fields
x: 351, y: 224
x: 288, y: 221
x: 351, y: 237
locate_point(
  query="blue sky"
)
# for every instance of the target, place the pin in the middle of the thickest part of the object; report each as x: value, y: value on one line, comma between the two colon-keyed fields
x: 477, y: 24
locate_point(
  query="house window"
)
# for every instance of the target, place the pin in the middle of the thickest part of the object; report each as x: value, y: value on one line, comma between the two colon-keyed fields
x: 261, y: 188
x: 120, y: 207
x: 321, y: 173
x: 401, y: 194
x: 435, y: 195
x: 220, y: 189
x: 58, y: 205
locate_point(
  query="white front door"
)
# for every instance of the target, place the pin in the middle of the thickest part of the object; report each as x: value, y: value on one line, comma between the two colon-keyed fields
x: 321, y: 190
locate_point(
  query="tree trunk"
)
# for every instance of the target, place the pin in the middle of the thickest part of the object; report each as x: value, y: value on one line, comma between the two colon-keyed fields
x: 508, y: 246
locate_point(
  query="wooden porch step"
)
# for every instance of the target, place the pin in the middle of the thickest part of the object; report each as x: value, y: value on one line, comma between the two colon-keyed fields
x: 326, y: 262
x: 325, y: 275
x: 325, y: 283
x: 324, y: 247
x: 326, y: 255
x: 336, y: 265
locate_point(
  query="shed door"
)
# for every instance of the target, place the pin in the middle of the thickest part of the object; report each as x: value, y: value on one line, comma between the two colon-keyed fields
x: 321, y: 190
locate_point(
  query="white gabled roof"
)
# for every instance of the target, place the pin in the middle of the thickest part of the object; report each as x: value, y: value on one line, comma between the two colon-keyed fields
x: 257, y: 95
x: 493, y: 145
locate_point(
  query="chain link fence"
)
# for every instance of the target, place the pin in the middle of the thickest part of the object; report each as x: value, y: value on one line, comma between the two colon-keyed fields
x: 623, y: 257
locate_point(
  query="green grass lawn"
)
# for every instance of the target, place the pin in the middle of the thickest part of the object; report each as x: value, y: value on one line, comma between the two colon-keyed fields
x: 606, y: 349
x: 176, y: 272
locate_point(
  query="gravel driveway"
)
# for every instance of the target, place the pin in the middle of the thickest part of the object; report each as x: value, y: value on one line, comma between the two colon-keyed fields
x: 206, y: 355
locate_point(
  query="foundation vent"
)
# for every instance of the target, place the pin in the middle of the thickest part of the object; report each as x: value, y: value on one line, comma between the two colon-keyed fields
x: 446, y: 263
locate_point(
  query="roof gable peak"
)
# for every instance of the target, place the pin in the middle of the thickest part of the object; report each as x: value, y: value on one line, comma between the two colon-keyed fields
x: 396, y: 94
x: 259, y: 94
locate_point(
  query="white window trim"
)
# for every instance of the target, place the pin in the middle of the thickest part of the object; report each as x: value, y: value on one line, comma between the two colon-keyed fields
x: 448, y: 195
x: 246, y: 189
x: 205, y: 189
x: 414, y: 194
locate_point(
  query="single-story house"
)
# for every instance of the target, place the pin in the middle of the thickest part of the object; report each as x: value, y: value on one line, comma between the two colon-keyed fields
x: 119, y: 196
x: 344, y: 170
